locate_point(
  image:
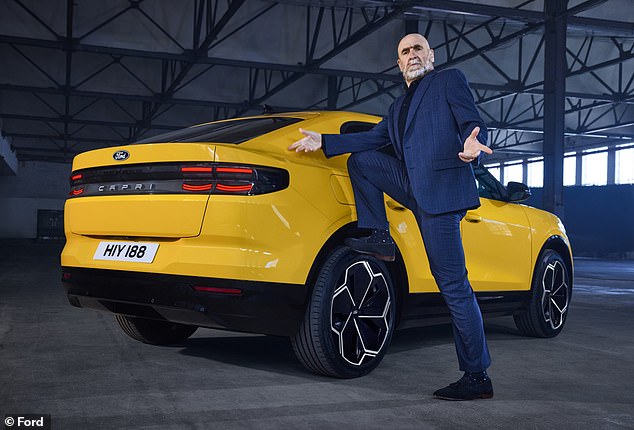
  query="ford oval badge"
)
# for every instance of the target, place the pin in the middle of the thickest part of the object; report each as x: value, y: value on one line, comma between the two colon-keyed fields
x: 121, y: 155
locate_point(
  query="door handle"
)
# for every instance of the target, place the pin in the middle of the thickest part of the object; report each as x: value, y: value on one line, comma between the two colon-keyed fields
x: 395, y: 206
x: 473, y: 218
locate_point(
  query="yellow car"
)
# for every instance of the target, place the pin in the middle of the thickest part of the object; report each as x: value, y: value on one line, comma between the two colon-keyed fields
x: 219, y: 225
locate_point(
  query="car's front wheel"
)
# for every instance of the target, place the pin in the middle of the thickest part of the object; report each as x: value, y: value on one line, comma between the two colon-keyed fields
x: 350, y: 319
x: 154, y: 332
x: 547, y: 310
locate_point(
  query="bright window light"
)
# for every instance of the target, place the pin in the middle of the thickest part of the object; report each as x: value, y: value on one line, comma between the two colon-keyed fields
x: 594, y: 167
x: 513, y: 172
x: 624, y: 166
x: 570, y: 170
x: 494, y: 169
x: 535, y: 173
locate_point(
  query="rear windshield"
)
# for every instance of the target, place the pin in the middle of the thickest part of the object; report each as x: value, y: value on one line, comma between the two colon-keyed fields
x: 236, y: 131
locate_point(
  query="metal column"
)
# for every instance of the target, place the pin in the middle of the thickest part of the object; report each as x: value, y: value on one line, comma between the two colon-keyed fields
x: 554, y: 98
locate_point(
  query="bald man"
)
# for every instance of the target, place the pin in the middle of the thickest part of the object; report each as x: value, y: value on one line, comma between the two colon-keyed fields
x: 436, y: 133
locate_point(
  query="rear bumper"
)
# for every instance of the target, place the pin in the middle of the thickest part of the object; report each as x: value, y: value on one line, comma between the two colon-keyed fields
x: 259, y: 307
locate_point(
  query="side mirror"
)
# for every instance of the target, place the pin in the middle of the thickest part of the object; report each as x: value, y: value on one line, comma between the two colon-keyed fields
x: 517, y: 192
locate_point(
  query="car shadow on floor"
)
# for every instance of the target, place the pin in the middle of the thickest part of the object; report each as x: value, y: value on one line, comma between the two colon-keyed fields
x: 269, y: 353
x: 275, y: 354
x: 441, y: 334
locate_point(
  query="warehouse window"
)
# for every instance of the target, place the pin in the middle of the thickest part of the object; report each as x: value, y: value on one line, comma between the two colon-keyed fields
x: 494, y: 169
x: 535, y: 173
x: 570, y: 169
x: 594, y: 166
x: 624, y: 164
x: 513, y: 172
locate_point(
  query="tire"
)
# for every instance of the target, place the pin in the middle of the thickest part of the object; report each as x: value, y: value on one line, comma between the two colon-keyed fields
x: 350, y: 319
x: 154, y: 332
x: 547, y: 310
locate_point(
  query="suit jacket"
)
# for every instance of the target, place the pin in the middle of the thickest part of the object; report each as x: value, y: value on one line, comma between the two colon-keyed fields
x: 441, y: 116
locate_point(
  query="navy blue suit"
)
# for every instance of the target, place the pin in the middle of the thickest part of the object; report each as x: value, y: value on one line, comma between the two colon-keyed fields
x: 428, y: 178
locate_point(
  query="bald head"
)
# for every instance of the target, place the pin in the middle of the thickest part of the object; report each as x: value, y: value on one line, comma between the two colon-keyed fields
x: 415, y: 57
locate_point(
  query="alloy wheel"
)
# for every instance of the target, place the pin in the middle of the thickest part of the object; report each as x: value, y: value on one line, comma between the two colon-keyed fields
x: 360, y: 313
x: 556, y: 294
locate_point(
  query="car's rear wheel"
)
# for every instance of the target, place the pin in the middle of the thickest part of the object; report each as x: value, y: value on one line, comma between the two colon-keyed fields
x: 351, y: 316
x: 547, y: 310
x: 154, y: 332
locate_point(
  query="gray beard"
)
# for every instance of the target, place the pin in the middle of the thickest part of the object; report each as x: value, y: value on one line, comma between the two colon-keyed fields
x: 416, y: 74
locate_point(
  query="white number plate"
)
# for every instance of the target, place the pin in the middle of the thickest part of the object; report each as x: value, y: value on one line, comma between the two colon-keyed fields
x: 138, y: 252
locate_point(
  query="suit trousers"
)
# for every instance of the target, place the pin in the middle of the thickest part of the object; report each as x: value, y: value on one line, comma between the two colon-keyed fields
x: 373, y: 173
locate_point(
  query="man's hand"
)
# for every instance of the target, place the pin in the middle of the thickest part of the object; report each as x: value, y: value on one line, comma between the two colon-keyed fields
x: 310, y: 143
x: 472, y: 147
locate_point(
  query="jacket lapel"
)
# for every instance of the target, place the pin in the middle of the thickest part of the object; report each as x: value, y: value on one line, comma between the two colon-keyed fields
x: 417, y: 98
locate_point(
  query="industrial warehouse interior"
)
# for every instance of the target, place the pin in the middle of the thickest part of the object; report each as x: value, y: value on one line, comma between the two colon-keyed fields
x: 86, y: 84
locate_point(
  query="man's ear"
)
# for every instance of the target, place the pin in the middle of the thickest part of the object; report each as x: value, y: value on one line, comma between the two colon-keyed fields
x: 431, y: 55
x: 398, y: 63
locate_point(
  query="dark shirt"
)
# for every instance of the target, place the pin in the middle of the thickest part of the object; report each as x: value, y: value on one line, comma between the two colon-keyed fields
x: 402, y: 115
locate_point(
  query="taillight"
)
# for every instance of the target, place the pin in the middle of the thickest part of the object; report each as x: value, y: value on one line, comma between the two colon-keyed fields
x: 76, y: 184
x: 223, y: 178
x: 197, y: 169
x: 174, y: 178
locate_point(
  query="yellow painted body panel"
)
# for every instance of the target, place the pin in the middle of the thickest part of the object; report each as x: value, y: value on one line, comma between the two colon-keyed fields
x: 145, y: 215
x: 276, y: 237
x: 406, y: 234
x: 243, y: 237
x: 497, y: 243
x: 545, y: 225
x: 148, y: 153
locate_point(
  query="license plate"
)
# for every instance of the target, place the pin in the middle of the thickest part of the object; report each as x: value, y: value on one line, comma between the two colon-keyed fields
x: 137, y: 252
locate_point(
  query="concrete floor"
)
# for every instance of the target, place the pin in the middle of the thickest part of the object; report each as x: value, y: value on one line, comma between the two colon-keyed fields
x: 79, y: 367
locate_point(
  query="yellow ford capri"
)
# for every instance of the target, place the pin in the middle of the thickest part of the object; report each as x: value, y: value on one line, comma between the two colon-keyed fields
x: 220, y: 226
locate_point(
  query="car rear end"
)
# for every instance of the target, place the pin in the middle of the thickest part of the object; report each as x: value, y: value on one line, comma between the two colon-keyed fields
x: 198, y: 233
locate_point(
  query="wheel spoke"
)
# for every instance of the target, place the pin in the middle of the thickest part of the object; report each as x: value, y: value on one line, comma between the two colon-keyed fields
x: 372, y: 332
x: 554, y: 303
x: 558, y: 278
x: 546, y: 310
x: 350, y: 345
x: 557, y: 290
x: 361, y: 281
x: 341, y: 309
x: 375, y: 301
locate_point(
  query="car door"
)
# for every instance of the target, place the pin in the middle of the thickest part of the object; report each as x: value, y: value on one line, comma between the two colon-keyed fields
x: 497, y: 243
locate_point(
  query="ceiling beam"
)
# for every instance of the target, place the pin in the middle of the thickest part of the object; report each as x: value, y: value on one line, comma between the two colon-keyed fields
x: 41, y: 118
x: 478, y: 9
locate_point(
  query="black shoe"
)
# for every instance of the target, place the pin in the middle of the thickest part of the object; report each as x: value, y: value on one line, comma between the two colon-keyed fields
x: 379, y: 244
x: 470, y: 387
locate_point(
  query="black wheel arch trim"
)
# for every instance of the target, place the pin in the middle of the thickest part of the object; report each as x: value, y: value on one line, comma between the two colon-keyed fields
x: 398, y: 272
x: 558, y: 244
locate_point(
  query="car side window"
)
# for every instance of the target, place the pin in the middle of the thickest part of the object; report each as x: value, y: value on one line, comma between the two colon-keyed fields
x: 488, y: 186
x: 355, y: 127
x: 233, y: 131
x: 359, y: 126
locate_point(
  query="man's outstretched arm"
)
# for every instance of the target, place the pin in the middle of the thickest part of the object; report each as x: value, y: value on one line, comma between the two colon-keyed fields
x: 336, y: 144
